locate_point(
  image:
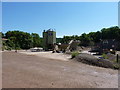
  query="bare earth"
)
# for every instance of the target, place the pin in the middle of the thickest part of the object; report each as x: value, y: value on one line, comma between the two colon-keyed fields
x: 32, y: 71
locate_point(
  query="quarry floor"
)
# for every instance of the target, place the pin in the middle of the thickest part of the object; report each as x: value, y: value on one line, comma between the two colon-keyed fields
x: 47, y: 70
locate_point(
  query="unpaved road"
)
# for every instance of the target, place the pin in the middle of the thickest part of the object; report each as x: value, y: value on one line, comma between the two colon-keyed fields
x: 29, y: 71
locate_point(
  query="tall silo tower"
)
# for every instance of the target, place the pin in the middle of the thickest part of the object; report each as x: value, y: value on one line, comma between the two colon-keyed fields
x: 49, y: 38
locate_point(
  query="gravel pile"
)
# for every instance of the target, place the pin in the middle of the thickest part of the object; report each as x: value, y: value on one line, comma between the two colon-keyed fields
x: 91, y: 60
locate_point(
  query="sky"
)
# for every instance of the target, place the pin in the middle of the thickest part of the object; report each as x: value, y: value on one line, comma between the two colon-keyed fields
x: 67, y: 18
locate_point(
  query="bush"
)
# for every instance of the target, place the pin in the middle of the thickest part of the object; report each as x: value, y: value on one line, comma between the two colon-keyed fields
x: 104, y: 56
x: 116, y: 66
x: 74, y: 54
x: 7, y: 48
x: 18, y: 48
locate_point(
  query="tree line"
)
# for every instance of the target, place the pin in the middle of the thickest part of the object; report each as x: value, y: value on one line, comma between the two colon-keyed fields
x: 21, y: 40
x: 24, y: 40
x: 94, y: 37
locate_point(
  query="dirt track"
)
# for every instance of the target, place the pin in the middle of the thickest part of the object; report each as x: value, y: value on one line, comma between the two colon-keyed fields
x: 29, y: 71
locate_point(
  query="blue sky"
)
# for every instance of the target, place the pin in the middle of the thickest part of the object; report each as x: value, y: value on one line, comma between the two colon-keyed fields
x: 68, y: 18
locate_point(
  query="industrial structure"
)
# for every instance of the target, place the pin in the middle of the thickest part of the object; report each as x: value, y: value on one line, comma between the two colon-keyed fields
x: 49, y: 39
x: 106, y: 46
x: 67, y: 48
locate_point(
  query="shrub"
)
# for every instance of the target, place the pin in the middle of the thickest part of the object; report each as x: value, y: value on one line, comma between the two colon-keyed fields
x: 116, y: 66
x: 7, y: 48
x: 104, y: 56
x: 74, y: 54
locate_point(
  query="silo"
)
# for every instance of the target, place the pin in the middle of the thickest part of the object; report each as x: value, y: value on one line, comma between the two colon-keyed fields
x: 49, y: 38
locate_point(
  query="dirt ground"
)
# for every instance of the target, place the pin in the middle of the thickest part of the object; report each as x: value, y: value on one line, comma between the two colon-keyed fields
x: 30, y: 71
x: 48, y: 54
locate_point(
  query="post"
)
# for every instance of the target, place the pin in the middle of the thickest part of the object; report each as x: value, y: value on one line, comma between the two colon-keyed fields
x: 117, y: 59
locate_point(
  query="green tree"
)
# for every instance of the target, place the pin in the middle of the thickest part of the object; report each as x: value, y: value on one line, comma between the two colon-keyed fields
x: 2, y: 35
x: 20, y: 39
x: 85, y: 40
x: 36, y: 41
x: 111, y: 33
x: 66, y: 39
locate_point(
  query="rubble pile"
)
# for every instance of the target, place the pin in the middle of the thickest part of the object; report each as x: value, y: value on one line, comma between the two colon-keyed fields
x: 91, y: 60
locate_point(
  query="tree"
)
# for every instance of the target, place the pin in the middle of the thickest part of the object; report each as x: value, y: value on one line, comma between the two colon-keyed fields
x: 36, y: 41
x: 66, y: 39
x: 20, y: 39
x: 26, y: 40
x: 85, y: 40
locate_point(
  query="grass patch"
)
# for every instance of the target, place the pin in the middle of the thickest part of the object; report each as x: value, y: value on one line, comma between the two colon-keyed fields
x: 104, y: 56
x: 74, y: 54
